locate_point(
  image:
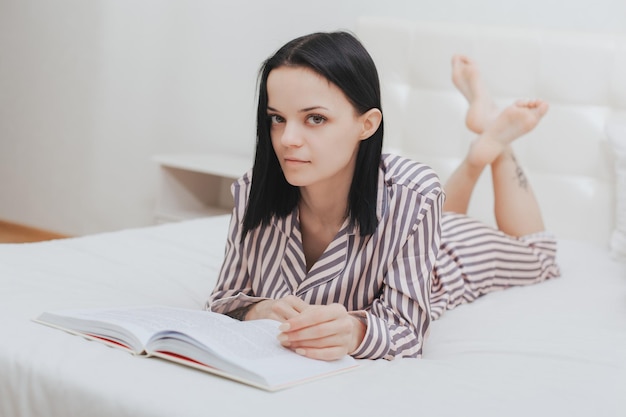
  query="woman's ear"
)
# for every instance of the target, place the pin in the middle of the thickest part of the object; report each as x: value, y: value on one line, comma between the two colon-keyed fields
x: 371, y: 120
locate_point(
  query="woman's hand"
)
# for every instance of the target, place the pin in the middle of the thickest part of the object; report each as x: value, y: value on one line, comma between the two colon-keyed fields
x: 322, y: 332
x: 282, y: 309
x: 316, y: 331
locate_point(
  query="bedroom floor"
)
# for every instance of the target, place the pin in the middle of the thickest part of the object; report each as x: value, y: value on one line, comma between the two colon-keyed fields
x: 15, y: 233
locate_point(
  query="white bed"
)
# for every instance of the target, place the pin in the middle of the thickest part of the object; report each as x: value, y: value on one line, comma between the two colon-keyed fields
x: 558, y: 348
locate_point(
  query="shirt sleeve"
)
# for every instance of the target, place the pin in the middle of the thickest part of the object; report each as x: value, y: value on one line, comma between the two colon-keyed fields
x: 399, y: 320
x: 233, y: 288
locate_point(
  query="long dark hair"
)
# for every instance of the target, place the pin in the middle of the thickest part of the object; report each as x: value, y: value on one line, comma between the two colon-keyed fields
x: 341, y: 59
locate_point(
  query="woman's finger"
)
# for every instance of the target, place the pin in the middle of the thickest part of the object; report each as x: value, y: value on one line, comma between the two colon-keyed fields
x: 326, y: 354
x: 314, y: 315
x: 287, y: 307
x: 327, y: 329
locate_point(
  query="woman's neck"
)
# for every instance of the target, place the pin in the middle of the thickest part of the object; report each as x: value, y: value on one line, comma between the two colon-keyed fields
x: 325, y: 206
x: 322, y: 214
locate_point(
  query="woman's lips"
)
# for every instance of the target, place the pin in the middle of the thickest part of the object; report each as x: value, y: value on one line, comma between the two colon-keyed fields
x: 295, y: 161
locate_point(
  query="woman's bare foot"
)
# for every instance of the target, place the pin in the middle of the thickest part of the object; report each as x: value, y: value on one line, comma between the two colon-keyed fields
x: 511, y: 123
x: 466, y: 77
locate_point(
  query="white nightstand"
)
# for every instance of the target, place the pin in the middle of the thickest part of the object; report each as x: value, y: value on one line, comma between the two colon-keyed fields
x: 192, y: 186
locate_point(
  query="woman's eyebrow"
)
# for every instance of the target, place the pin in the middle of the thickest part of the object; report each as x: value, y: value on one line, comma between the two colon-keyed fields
x: 313, y: 108
x: 307, y: 109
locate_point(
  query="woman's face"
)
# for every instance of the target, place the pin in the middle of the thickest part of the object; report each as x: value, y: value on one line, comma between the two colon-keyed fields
x: 315, y: 130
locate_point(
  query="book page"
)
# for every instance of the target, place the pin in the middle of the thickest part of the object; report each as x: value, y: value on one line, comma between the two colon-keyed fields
x: 252, y: 346
x: 133, y: 325
x: 257, y: 349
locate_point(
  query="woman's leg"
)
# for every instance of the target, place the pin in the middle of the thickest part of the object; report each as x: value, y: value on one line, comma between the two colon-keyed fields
x: 481, y: 112
x: 516, y: 208
x: 475, y: 258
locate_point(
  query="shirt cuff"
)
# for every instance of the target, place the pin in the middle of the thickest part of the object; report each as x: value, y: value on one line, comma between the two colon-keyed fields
x: 227, y: 304
x: 375, y: 344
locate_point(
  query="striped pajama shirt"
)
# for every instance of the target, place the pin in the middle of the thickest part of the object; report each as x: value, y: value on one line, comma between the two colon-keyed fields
x: 418, y: 263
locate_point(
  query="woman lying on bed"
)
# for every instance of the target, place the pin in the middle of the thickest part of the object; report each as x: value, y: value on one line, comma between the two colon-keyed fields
x: 356, y: 252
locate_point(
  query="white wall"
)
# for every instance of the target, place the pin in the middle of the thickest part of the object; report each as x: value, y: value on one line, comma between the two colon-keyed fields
x: 89, y: 90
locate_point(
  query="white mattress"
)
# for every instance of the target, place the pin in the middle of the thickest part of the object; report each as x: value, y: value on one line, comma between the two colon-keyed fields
x: 554, y: 349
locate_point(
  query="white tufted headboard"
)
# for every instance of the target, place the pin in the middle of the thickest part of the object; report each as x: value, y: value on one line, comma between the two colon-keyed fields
x: 567, y: 157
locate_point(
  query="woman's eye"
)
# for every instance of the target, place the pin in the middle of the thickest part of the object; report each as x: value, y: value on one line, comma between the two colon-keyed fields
x: 276, y: 119
x: 316, y: 119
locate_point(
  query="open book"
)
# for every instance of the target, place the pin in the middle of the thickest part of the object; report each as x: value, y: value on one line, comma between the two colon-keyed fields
x: 246, y: 351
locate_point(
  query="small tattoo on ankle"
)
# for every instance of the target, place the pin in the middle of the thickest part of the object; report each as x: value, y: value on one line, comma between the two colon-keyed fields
x: 519, y: 173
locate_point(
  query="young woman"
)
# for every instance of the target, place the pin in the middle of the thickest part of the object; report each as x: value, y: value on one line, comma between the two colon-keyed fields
x: 350, y: 249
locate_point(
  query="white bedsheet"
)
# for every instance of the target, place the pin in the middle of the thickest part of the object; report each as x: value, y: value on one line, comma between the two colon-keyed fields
x: 554, y: 349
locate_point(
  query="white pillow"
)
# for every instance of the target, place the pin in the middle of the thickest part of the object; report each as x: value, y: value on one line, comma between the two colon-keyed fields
x: 616, y: 134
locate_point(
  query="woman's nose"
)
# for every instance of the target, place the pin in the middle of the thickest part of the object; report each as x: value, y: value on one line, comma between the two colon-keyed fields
x: 291, y: 135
